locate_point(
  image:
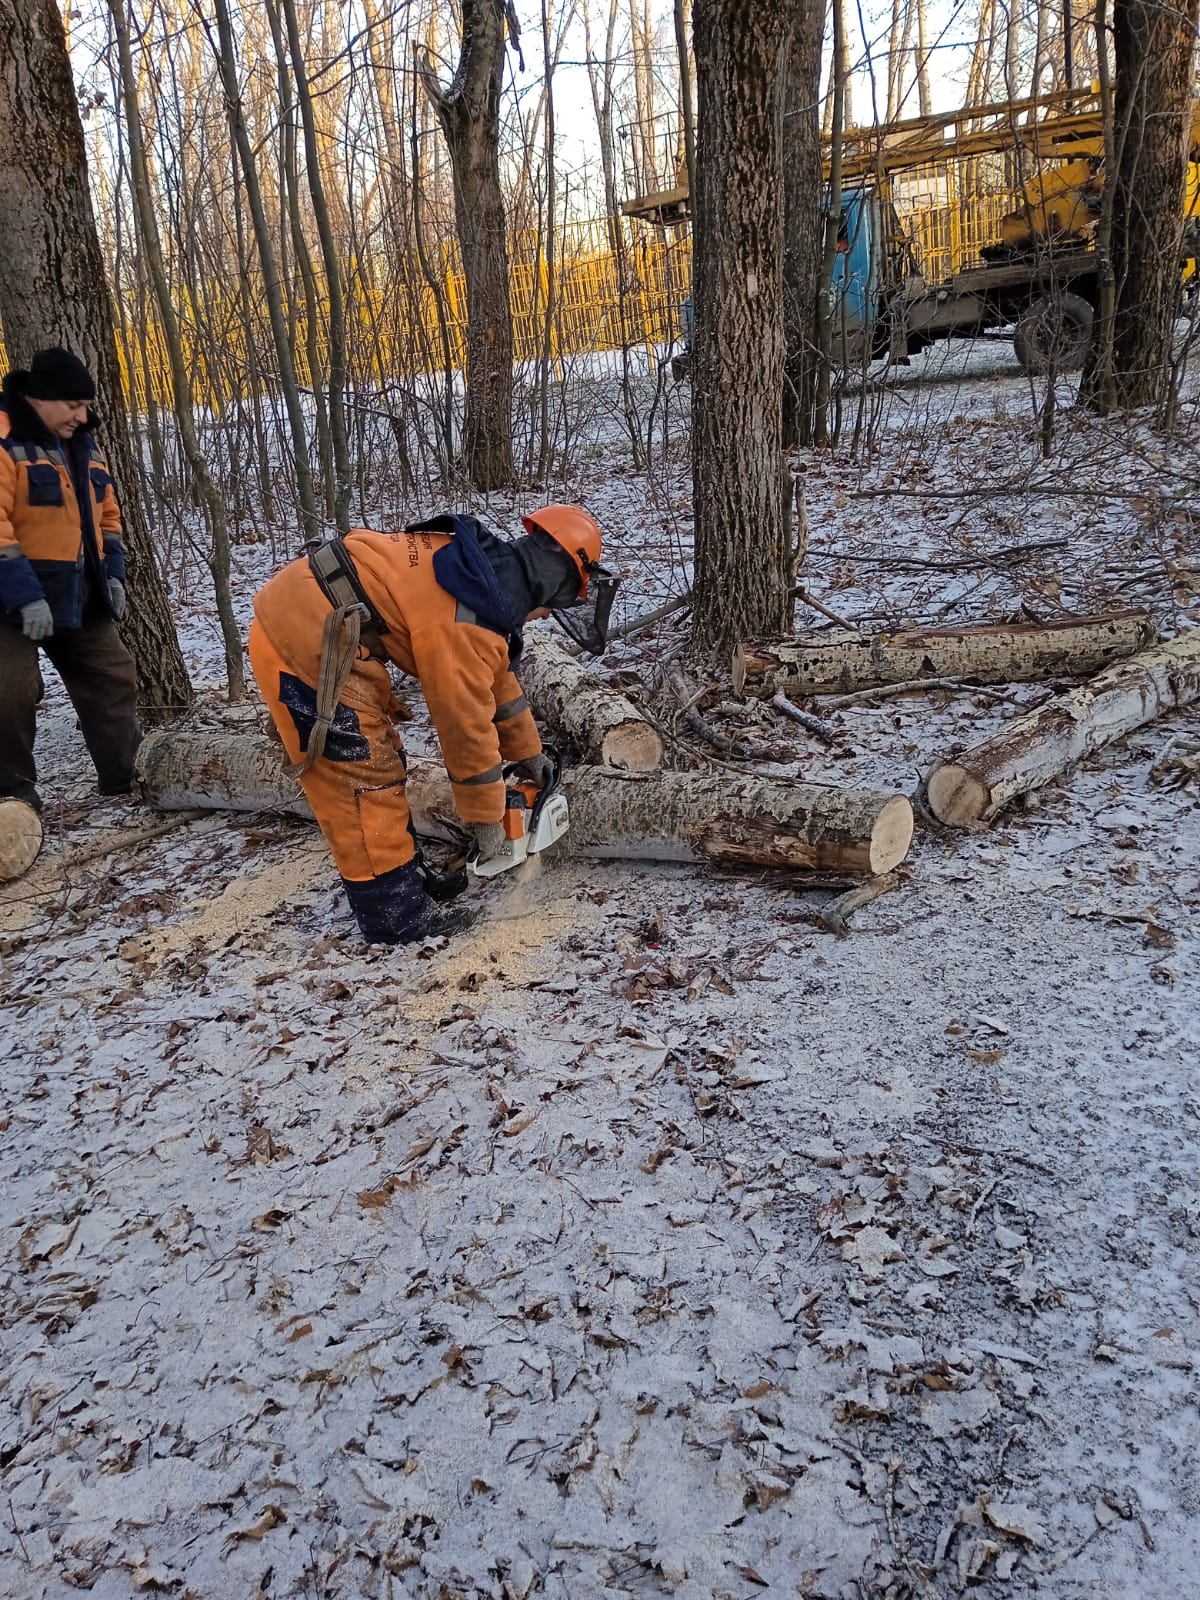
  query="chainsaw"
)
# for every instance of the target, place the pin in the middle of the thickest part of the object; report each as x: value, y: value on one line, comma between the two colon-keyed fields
x: 534, y: 819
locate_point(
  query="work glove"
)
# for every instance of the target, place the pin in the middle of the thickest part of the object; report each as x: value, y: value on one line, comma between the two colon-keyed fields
x: 37, y: 620
x: 491, y: 840
x: 116, y: 597
x: 538, y: 769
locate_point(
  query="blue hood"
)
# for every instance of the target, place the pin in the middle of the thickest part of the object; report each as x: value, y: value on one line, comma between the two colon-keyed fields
x: 465, y: 571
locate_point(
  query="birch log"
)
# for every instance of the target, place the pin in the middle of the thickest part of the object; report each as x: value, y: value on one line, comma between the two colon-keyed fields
x: 666, y: 816
x: 20, y: 838
x: 604, y: 725
x: 836, y: 663
x: 1033, y: 750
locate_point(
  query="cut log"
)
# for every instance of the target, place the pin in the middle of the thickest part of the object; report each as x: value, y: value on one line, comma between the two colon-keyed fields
x: 740, y: 821
x: 186, y: 768
x: 1033, y: 750
x: 604, y: 725
x: 20, y: 838
x: 837, y: 663
x: 667, y: 816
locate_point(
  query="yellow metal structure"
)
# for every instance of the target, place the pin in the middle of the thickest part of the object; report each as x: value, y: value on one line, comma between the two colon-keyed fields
x: 962, y: 184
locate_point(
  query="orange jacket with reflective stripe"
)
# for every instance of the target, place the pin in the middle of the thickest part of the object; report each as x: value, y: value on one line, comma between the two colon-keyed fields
x: 475, y: 702
x: 42, y: 551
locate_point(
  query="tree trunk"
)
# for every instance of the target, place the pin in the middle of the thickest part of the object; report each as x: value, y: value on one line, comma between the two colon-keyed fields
x: 836, y: 663
x: 333, y: 274
x: 738, y: 469
x: 669, y: 816
x: 802, y: 183
x: 603, y: 725
x: 1035, y: 749
x: 1154, y: 48
x: 247, y: 160
x: 687, y: 110
x: 826, y: 300
x: 924, y: 90
x: 181, y: 389
x: 53, y: 290
x: 469, y: 113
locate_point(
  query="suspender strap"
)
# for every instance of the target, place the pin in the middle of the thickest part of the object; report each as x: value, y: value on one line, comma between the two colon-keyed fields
x: 334, y: 570
x: 353, y: 621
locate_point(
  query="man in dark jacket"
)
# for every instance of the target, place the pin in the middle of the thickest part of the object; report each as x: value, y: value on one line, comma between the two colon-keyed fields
x: 62, y: 575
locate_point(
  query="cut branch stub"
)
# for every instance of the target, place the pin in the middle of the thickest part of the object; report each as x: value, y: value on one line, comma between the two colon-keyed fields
x: 836, y: 663
x: 1033, y: 750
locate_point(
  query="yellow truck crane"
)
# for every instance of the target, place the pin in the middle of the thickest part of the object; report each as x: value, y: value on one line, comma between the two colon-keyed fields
x: 970, y: 222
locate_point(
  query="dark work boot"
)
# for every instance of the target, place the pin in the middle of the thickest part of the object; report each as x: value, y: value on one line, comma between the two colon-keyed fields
x: 395, y: 908
x: 443, y: 922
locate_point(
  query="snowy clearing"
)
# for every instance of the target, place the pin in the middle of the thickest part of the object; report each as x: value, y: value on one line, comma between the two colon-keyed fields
x: 648, y: 1239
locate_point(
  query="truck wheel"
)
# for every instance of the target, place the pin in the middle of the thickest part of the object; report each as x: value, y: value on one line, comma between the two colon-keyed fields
x: 1055, y: 332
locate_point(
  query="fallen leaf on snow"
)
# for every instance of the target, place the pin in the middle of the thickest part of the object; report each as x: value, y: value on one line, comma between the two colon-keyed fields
x: 269, y: 1220
x: 1013, y: 1518
x: 871, y: 1249
x: 271, y: 1517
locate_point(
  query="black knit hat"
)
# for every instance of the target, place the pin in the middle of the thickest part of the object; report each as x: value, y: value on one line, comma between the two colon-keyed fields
x: 56, y: 374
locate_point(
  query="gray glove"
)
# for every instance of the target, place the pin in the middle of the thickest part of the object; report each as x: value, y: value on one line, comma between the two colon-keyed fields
x: 538, y: 769
x: 491, y: 840
x: 116, y: 597
x: 37, y: 620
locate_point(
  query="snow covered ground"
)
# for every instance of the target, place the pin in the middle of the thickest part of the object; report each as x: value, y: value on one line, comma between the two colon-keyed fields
x: 647, y: 1239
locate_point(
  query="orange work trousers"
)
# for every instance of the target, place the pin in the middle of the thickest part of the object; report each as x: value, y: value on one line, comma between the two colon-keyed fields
x: 357, y: 788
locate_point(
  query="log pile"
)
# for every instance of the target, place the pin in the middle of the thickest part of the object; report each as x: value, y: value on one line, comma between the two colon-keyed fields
x: 667, y: 816
x: 624, y: 806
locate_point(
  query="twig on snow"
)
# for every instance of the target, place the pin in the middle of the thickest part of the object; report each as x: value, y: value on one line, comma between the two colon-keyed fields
x: 740, y: 750
x: 813, y: 725
x: 833, y: 916
x: 801, y: 593
x: 888, y: 691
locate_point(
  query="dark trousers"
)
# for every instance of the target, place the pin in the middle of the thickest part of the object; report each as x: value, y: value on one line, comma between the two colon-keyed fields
x: 98, y: 674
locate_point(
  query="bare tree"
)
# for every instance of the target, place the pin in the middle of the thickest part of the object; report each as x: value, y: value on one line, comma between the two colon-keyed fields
x: 469, y: 113
x: 333, y: 272
x: 1154, y: 48
x: 227, y: 62
x: 180, y: 383
x: 802, y: 232
x: 53, y: 290
x: 742, y: 556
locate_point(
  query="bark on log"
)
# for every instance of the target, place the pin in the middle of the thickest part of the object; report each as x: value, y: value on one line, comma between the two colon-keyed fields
x: 20, y: 838
x: 1033, y: 750
x: 836, y: 663
x: 604, y: 725
x: 667, y: 816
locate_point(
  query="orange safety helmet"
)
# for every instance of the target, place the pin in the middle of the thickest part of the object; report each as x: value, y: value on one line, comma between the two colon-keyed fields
x: 577, y: 533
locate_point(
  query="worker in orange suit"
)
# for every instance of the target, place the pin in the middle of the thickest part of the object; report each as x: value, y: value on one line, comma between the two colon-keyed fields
x: 445, y: 601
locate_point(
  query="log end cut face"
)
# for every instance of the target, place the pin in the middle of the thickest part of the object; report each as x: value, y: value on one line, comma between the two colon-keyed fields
x: 892, y: 834
x: 632, y: 747
x: 956, y: 797
x: 20, y: 838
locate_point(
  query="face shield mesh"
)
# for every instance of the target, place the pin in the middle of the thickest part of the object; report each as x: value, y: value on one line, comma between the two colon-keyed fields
x: 587, y: 621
